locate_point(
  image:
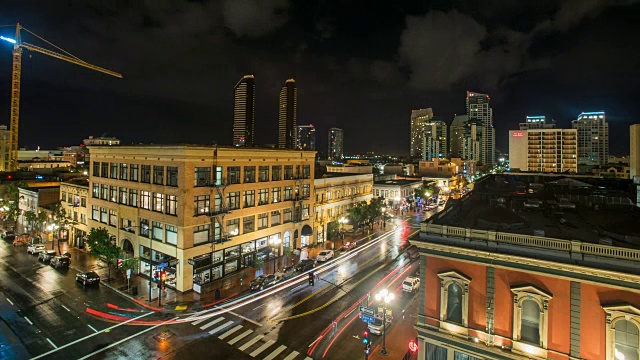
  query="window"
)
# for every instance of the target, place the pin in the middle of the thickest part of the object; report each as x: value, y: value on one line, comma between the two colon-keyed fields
x: 276, y: 195
x: 83, y: 201
x: 113, y: 218
x: 113, y: 167
x: 104, y: 192
x: 133, y: 175
x: 123, y: 171
x: 287, y: 215
x: 622, y: 323
x: 248, y: 224
x: 305, y: 212
x: 145, y: 173
x: 306, y: 171
x: 233, y: 200
x: 172, y: 235
x: 201, y: 204
x: 104, y: 216
x: 158, y: 202
x: 96, y: 168
x: 233, y: 227
x: 218, y: 176
x: 96, y: 191
x: 217, y: 233
x: 113, y: 194
x: 288, y: 193
x: 83, y: 219
x: 145, y: 199
x: 123, y: 196
x: 128, y: 226
x: 172, y: 205
x: 276, y: 173
x: 156, y: 231
x: 530, y: 318
x: 144, y: 227
x: 306, y: 191
x: 172, y: 176
x: 95, y: 213
x: 158, y: 175
x: 217, y: 203
x: 454, y: 301
x: 233, y: 175
x: 263, y: 196
x: 275, y: 218
x: 201, y: 234
x: 202, y: 176
x: 133, y: 197
x: 104, y: 171
x: 249, y: 198
x: 263, y: 173
x: 63, y: 196
x: 263, y: 221
x: 249, y: 174
x: 288, y: 172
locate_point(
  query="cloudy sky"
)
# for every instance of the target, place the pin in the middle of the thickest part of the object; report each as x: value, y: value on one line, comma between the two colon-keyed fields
x: 359, y: 65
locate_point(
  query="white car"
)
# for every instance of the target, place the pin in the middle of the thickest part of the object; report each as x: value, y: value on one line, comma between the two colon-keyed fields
x: 325, y: 255
x: 34, y: 249
x: 411, y: 284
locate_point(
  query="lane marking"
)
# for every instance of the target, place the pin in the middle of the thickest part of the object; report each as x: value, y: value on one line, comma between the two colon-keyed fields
x: 92, y: 328
x: 250, y: 342
x: 52, y: 344
x: 292, y: 355
x: 240, y: 316
x: 239, y: 337
x: 221, y: 337
x: 29, y: 321
x: 258, y: 307
x: 262, y: 348
x: 10, y: 302
x: 199, y: 321
x: 225, y: 325
x: 315, y: 341
x: 275, y: 352
x: 66, y: 308
x: 211, y: 323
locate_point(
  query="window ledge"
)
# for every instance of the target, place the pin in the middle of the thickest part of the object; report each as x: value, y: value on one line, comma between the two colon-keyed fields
x: 529, y: 350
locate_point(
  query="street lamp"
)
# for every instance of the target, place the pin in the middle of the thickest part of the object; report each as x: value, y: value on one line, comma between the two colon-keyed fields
x: 385, y: 298
x: 275, y: 245
x: 384, y: 218
x: 342, y: 221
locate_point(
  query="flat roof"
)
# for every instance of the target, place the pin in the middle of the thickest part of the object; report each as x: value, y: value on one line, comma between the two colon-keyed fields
x: 397, y: 182
x: 195, y: 146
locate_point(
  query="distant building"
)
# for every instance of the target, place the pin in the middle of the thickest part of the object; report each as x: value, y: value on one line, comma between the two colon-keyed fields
x: 593, y: 138
x: 471, y: 140
x: 4, y: 148
x: 398, y: 169
x: 244, y: 99
x: 618, y: 159
x: 43, y: 165
x: 101, y: 140
x: 478, y: 108
x: 456, y: 136
x: 612, y: 171
x: 419, y: 119
x: 634, y: 153
x: 437, y: 168
x: 287, y: 115
x: 537, y: 122
x: 335, y: 146
x: 306, y: 137
x: 434, y: 140
x: 543, y: 150
x: 30, y: 199
x: 395, y: 192
x: 350, y: 169
x: 73, y: 197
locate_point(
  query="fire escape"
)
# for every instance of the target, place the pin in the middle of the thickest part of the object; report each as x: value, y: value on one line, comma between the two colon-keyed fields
x: 220, y: 207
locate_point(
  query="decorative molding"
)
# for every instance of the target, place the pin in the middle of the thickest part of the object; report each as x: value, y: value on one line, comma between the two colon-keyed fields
x: 532, y: 293
x: 446, y: 279
x: 613, y: 314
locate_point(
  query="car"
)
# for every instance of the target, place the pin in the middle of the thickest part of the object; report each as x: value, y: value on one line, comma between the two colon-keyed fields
x: 60, y: 262
x: 348, y: 246
x: 46, y: 255
x: 376, y: 327
x: 286, y: 272
x: 34, y: 249
x: 305, y: 265
x: 533, y: 204
x: 20, y: 240
x: 324, y: 255
x: 411, y: 284
x: 9, y: 235
x: 566, y: 204
x: 88, y: 278
x: 262, y: 282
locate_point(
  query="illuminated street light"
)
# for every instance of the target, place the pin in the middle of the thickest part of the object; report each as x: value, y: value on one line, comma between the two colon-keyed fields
x: 385, y: 297
x: 275, y: 245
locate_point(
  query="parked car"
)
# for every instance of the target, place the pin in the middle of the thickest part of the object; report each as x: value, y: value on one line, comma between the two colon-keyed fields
x: 411, y: 284
x: 533, y: 204
x: 286, y: 272
x: 35, y: 249
x: 305, y: 265
x: 348, y: 246
x: 88, y: 278
x: 262, y: 282
x: 46, y: 255
x: 325, y: 255
x: 376, y: 327
x: 566, y: 204
x: 60, y: 262
x: 9, y: 235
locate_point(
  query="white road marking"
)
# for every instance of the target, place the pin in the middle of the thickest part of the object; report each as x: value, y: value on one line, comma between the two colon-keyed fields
x: 292, y: 355
x: 315, y: 341
x: 211, y: 323
x: 250, y: 342
x: 29, y: 321
x: 199, y: 321
x: 275, y: 352
x: 239, y: 337
x: 258, y: 307
x: 66, y: 308
x: 52, y: 344
x: 225, y: 325
x: 308, y: 358
x: 221, y: 337
x: 262, y: 348
x: 92, y: 328
x: 10, y: 302
x: 241, y: 317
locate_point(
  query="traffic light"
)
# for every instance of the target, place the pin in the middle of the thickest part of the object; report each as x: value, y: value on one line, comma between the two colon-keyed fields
x: 365, y: 338
x: 164, y: 276
x: 156, y: 276
x: 119, y: 263
x: 312, y: 278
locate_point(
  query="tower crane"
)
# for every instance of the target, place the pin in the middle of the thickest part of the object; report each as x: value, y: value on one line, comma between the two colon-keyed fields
x: 18, y: 45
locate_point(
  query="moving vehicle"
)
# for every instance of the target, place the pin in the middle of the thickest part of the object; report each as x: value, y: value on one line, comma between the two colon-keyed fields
x: 325, y: 255
x: 411, y: 284
x: 286, y: 272
x: 88, y: 278
x: 34, y: 249
x: 264, y: 281
x: 376, y: 327
x: 46, y: 255
x: 305, y: 265
x: 348, y: 246
x: 60, y: 262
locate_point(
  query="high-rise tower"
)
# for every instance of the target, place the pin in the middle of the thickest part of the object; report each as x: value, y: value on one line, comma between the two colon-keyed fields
x: 244, y: 99
x: 418, y: 120
x: 306, y: 138
x: 434, y: 140
x: 335, y: 151
x: 287, y: 117
x: 593, y: 138
x: 478, y: 108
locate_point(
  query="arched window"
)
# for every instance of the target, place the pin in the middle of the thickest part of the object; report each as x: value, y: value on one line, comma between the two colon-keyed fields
x: 530, y: 323
x: 530, y: 320
x: 622, y: 325
x: 454, y: 303
x: 626, y: 340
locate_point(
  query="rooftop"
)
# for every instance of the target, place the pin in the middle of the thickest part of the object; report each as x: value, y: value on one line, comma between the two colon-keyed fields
x: 397, y: 182
x: 196, y: 146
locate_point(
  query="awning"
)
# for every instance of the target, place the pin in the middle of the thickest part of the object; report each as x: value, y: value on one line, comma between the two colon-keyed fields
x: 306, y: 231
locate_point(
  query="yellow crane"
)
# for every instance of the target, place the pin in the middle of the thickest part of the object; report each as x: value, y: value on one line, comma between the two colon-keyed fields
x: 18, y: 45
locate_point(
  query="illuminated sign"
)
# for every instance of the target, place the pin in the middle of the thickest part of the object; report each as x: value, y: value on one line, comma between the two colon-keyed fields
x: 518, y: 134
x: 413, y: 346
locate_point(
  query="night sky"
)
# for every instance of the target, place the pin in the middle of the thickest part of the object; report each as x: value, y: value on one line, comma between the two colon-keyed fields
x: 362, y: 66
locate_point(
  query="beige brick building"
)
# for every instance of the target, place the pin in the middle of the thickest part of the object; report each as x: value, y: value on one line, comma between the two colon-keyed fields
x: 203, y: 211
x: 73, y: 197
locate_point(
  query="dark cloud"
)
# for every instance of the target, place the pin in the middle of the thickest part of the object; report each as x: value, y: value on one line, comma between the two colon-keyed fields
x: 254, y: 18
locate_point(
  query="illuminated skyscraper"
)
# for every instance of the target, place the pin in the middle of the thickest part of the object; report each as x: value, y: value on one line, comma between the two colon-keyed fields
x: 244, y: 98
x: 593, y: 138
x: 306, y: 137
x: 419, y: 118
x: 478, y: 108
x: 287, y: 117
x: 335, y: 150
x: 434, y: 140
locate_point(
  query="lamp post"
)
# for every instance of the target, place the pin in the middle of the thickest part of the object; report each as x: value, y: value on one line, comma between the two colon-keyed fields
x: 342, y: 221
x: 275, y: 245
x: 384, y: 218
x: 385, y: 298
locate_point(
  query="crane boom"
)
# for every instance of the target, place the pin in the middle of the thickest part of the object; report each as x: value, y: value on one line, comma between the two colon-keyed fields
x: 69, y: 59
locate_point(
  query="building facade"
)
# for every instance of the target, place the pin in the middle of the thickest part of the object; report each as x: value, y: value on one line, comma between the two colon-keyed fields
x: 395, y: 192
x: 4, y: 148
x: 73, y: 197
x: 537, y: 122
x: 634, y: 150
x: 204, y: 211
x: 306, y: 137
x: 419, y: 118
x: 456, y: 136
x: 334, y: 195
x: 593, y: 138
x: 101, y: 140
x: 288, y: 115
x: 472, y: 140
x: 544, y: 150
x: 335, y: 149
x: 478, y: 108
x: 244, y: 100
x: 434, y: 140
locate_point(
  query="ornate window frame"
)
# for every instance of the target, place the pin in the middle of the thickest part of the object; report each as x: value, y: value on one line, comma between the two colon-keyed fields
x: 530, y: 292
x: 453, y: 277
x: 613, y: 314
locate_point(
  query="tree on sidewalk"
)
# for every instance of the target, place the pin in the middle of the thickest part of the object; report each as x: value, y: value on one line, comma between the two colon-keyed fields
x: 11, y: 199
x: 103, y: 246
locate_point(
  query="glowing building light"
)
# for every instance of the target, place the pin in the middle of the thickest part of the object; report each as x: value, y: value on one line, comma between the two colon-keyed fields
x: 8, y: 39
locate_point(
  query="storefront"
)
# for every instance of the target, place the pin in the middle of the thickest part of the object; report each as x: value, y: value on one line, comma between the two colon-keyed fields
x: 152, y: 261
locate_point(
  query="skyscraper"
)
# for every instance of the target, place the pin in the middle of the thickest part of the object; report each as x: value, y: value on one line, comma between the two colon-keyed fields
x: 537, y: 122
x: 306, y: 139
x: 478, y: 108
x: 456, y: 137
x: 434, y: 140
x: 593, y: 138
x: 418, y: 120
x: 287, y: 118
x: 634, y: 150
x: 335, y: 150
x: 244, y: 99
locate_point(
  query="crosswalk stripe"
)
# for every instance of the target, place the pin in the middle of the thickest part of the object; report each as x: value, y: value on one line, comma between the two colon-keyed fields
x: 220, y: 327
x: 230, y: 332
x: 308, y: 358
x: 199, y: 321
x: 262, y: 348
x: 239, y: 337
x: 292, y: 355
x: 211, y: 323
x: 275, y: 352
x: 250, y: 342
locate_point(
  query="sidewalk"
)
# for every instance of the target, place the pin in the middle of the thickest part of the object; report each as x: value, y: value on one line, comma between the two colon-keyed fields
x: 398, y: 337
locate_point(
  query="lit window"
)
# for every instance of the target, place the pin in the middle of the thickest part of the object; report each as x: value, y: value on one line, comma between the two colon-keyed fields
x: 622, y: 332
x: 530, y: 319
x: 454, y: 301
